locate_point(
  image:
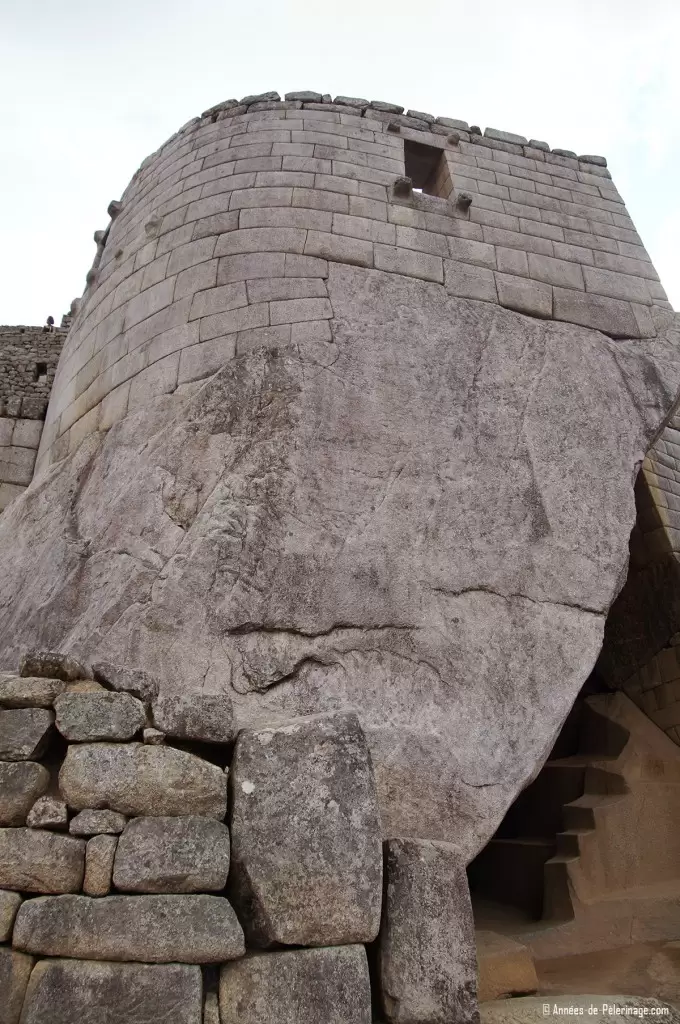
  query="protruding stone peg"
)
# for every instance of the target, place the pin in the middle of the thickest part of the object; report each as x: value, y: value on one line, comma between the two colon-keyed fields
x: 402, y: 187
x: 464, y: 200
x: 453, y: 138
x: 99, y: 237
x: 392, y: 126
x: 114, y: 208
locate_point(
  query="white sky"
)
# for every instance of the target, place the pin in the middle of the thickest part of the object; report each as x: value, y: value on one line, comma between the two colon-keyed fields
x: 88, y: 89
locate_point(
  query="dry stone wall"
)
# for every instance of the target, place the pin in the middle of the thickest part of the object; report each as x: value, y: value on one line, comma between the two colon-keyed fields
x: 223, y: 239
x: 126, y: 889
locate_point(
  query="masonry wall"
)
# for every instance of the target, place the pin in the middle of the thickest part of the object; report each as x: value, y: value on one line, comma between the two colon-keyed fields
x: 221, y: 243
x: 28, y: 363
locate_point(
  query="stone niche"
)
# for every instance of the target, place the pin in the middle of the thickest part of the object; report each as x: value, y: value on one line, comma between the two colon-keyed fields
x: 126, y: 889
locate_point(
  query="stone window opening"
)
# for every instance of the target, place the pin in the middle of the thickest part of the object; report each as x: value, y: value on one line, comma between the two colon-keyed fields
x: 40, y: 373
x: 427, y: 168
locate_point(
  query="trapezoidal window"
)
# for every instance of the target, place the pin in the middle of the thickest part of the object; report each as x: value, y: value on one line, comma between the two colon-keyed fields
x: 40, y: 373
x: 427, y: 168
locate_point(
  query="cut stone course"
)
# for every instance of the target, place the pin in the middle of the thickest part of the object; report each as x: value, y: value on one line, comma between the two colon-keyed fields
x: 151, y: 929
x: 89, y: 992
x: 15, y: 970
x: 21, y: 784
x: 24, y: 733
x: 308, y: 986
x: 9, y: 904
x: 139, y: 779
x: 93, y: 823
x: 99, y: 857
x: 90, y: 717
x: 201, y: 716
x: 305, y: 831
x: 32, y: 860
x: 172, y: 855
x: 426, y: 950
x: 48, y: 812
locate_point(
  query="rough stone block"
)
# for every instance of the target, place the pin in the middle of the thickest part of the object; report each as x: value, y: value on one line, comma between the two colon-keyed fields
x: 427, y: 964
x: 52, y: 665
x: 93, y: 823
x: 28, y: 692
x: 151, y: 929
x: 308, y: 986
x: 524, y: 296
x: 305, y: 829
x: 35, y: 861
x: 24, y: 733
x: 172, y: 855
x: 126, y: 680
x: 47, y: 812
x: 137, y: 779
x: 99, y: 856
x: 15, y: 970
x: 91, y: 717
x: 494, y: 133
x: 64, y: 991
x: 9, y: 904
x: 21, y: 784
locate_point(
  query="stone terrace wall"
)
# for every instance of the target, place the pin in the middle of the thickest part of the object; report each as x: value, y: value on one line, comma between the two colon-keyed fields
x: 25, y: 388
x: 222, y: 240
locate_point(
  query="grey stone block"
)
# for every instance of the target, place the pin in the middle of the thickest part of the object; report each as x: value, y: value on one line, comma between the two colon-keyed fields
x: 151, y: 929
x: 468, y: 282
x: 47, y: 812
x: 24, y: 733
x: 29, y: 692
x: 498, y: 136
x: 305, y: 830
x: 597, y: 311
x: 524, y: 295
x: 64, y: 991
x: 395, y: 260
x: 99, y: 856
x: 196, y: 716
x: 388, y: 108
x: 557, y: 272
x: 15, y: 970
x: 35, y: 861
x: 52, y: 665
x: 263, y: 97
x: 92, y: 717
x: 9, y: 905
x: 93, y: 823
x: 537, y: 144
x: 427, y: 962
x: 617, y: 286
x: 564, y: 152
x: 452, y: 122
x: 126, y: 680
x: 589, y: 158
x: 21, y: 784
x: 172, y: 855
x: 351, y: 101
x: 419, y: 115
x: 305, y: 96
x: 137, y: 779
x: 308, y: 986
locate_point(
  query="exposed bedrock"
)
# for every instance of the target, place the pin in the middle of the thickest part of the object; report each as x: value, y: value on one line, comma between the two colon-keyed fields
x: 425, y: 520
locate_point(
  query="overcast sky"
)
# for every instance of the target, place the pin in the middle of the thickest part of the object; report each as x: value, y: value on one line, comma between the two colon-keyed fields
x: 90, y: 88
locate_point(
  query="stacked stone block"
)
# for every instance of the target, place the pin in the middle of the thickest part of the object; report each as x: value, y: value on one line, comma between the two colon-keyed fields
x: 221, y: 243
x: 125, y: 888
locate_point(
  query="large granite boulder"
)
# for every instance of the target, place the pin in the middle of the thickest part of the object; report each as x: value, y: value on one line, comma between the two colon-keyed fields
x: 136, y: 779
x: 189, y: 854
x: 21, y: 784
x: 308, y: 986
x: 64, y: 991
x: 425, y: 520
x: 32, y: 860
x: 89, y: 717
x: 151, y: 929
x: 24, y: 733
x: 9, y: 904
x: 15, y: 970
x: 305, y: 830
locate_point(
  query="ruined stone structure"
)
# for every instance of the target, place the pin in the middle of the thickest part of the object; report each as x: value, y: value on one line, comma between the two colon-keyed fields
x: 347, y: 426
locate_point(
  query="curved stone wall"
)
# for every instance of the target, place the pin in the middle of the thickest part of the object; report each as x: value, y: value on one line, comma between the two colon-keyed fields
x: 221, y: 242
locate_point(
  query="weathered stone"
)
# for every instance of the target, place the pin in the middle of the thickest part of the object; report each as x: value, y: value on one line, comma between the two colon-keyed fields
x: 305, y: 829
x: 308, y: 986
x: 29, y: 692
x: 99, y: 857
x: 388, y: 108
x: 24, y: 733
x: 504, y: 967
x: 494, y: 133
x: 262, y: 97
x: 15, y: 969
x: 20, y: 786
x: 48, y: 812
x: 426, y: 951
x: 94, y: 823
x: 89, y: 717
x: 172, y: 855
x: 9, y: 904
x: 152, y: 929
x: 85, y: 686
x: 195, y: 716
x: 351, y: 101
x: 35, y: 861
x: 65, y: 991
x: 305, y: 96
x: 52, y: 665
x: 137, y: 779
x: 211, y: 1008
x: 153, y: 736
x: 590, y: 158
x: 128, y: 680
